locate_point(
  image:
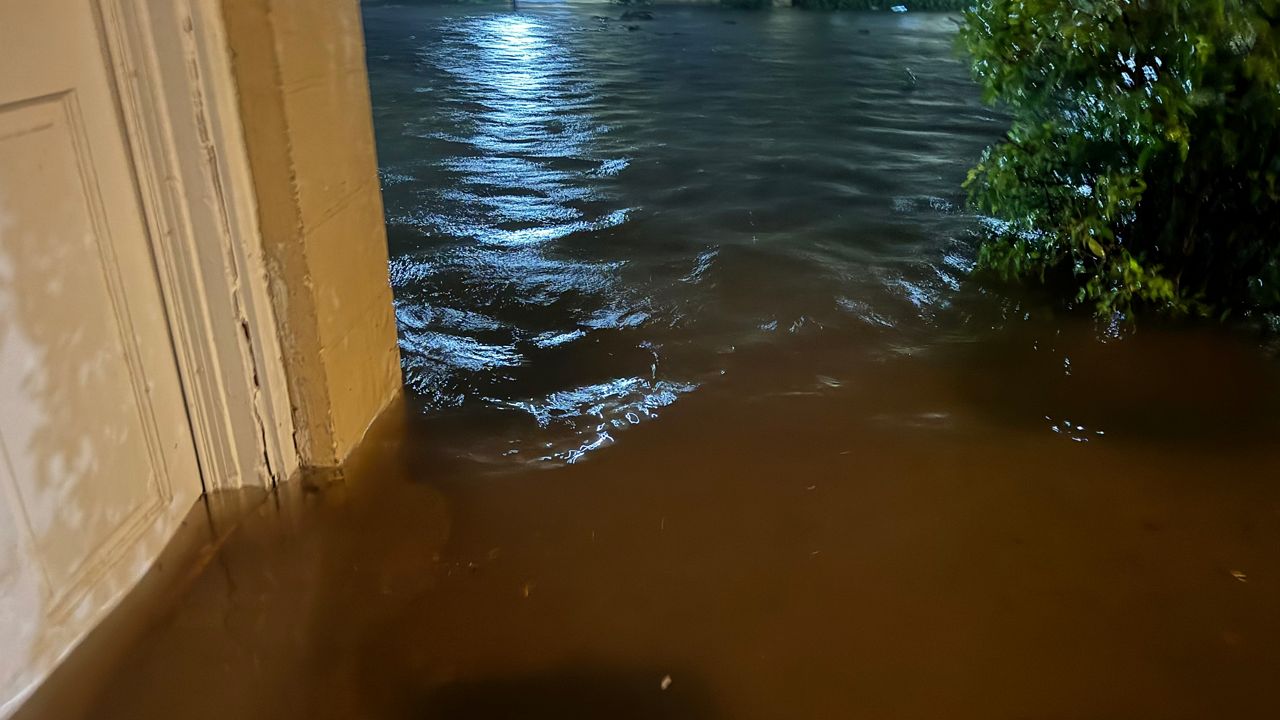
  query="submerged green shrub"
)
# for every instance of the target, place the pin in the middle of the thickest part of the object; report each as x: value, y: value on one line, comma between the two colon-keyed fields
x: 1141, y: 168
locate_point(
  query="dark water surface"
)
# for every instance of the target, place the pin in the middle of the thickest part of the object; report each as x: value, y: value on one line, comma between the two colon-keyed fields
x: 591, y: 223
x: 700, y: 390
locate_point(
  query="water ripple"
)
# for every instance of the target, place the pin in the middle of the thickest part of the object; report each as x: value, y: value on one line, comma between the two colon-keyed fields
x: 586, y: 219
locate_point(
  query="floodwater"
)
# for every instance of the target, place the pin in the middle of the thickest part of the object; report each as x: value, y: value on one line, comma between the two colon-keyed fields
x: 708, y: 420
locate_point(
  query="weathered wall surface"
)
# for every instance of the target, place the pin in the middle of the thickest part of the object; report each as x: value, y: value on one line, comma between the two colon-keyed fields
x: 304, y: 99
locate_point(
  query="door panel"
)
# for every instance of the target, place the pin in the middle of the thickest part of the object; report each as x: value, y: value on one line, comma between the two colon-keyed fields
x: 99, y: 465
x: 77, y: 424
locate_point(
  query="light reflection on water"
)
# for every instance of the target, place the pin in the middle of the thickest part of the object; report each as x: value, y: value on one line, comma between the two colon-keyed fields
x: 522, y: 163
x: 589, y: 222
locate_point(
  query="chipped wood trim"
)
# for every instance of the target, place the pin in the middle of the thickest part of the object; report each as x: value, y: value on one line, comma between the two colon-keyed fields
x: 180, y: 110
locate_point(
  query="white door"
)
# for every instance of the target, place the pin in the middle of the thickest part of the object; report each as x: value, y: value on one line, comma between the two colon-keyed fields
x: 98, y: 465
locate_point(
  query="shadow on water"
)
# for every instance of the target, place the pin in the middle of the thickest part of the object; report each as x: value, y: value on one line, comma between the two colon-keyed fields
x: 1156, y: 385
x: 590, y: 691
x: 780, y: 556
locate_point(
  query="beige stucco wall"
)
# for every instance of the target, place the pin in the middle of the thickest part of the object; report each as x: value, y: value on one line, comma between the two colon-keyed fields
x: 304, y: 104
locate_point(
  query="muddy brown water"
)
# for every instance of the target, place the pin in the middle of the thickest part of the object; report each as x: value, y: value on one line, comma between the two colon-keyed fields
x: 707, y: 420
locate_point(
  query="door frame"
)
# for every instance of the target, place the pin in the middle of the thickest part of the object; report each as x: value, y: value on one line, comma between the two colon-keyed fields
x: 180, y: 108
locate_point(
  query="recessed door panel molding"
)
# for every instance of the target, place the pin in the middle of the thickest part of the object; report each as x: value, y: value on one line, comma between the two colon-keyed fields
x: 78, y: 425
x: 139, y: 357
x: 123, y: 227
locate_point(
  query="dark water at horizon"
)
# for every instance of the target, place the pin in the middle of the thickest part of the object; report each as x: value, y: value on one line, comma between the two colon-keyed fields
x: 706, y: 419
